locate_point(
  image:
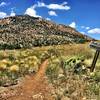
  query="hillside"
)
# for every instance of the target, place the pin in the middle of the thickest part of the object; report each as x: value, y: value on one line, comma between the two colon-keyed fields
x: 26, y: 32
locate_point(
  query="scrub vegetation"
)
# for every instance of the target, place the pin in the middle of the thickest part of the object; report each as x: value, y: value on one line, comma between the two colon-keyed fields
x: 68, y: 70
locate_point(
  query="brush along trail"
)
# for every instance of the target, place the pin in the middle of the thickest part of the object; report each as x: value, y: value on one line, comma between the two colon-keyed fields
x: 34, y: 87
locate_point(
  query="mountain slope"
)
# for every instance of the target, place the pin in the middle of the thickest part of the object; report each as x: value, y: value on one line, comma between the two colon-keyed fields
x: 25, y: 32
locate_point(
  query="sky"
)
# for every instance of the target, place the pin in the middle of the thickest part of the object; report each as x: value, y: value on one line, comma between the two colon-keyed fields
x: 83, y: 15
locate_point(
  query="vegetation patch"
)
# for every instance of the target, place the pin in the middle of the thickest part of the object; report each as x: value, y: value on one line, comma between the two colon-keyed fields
x: 67, y: 71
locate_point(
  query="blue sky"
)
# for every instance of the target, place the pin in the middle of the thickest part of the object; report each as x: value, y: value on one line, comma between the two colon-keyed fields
x: 84, y: 15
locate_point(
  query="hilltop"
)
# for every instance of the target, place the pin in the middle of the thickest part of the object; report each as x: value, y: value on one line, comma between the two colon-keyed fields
x: 24, y: 31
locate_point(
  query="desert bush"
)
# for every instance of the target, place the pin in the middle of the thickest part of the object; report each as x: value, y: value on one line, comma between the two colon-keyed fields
x: 15, y: 64
x: 95, y: 76
x: 95, y: 88
x: 75, y: 64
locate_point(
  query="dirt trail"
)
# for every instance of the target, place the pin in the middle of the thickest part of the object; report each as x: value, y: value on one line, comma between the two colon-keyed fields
x: 34, y: 87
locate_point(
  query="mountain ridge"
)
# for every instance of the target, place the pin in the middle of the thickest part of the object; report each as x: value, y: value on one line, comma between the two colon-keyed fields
x: 23, y: 31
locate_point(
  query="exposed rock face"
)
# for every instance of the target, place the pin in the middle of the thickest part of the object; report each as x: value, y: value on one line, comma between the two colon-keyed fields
x: 25, y: 32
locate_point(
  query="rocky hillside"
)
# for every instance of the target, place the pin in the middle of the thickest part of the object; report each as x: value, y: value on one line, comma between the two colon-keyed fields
x: 26, y: 32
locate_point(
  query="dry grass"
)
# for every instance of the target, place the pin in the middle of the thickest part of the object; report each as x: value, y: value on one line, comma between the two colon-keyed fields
x: 26, y: 61
x: 69, y: 50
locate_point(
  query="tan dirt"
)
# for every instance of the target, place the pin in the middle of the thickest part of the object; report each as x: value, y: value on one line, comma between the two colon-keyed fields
x: 34, y: 87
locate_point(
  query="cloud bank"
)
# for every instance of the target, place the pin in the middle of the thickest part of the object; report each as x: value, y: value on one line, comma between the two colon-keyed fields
x: 94, y: 31
x: 32, y: 10
x: 55, y: 6
x: 3, y: 15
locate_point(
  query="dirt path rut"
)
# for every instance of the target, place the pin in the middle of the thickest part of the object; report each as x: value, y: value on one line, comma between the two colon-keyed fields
x: 34, y: 87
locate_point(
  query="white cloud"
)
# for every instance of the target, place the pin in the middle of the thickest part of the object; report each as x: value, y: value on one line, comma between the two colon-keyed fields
x: 58, y: 7
x: 48, y: 19
x: 41, y: 4
x: 87, y: 28
x: 83, y: 32
x: 94, y: 31
x: 84, y: 27
x: 52, y: 13
x: 31, y: 11
x: 12, y: 13
x: 3, y: 15
x: 2, y: 4
x: 73, y: 24
x: 64, y: 3
x: 62, y: 6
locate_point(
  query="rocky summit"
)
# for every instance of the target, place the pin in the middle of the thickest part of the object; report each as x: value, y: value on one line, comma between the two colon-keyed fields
x: 24, y: 31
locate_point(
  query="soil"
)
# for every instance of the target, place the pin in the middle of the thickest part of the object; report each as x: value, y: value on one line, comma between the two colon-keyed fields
x: 33, y: 87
